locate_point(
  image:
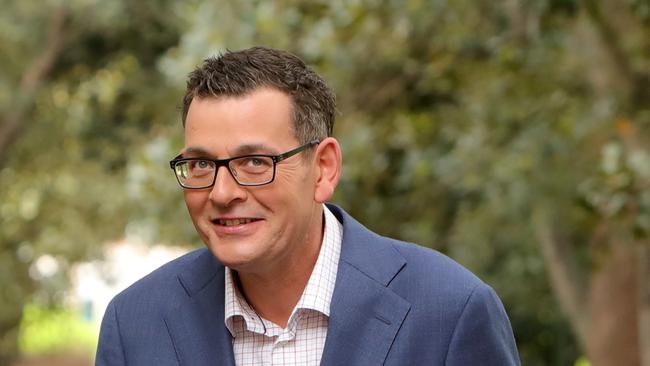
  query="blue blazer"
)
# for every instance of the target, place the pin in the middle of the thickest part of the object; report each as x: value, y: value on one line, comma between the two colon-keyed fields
x: 394, y: 303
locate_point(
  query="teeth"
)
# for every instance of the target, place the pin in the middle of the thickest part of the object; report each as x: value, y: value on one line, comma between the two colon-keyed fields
x: 234, y: 222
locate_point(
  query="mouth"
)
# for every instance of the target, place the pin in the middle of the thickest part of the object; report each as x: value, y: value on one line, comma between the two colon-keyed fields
x: 234, y: 222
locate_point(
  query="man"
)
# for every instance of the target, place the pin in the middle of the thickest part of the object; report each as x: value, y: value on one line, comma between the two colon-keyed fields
x: 285, y: 278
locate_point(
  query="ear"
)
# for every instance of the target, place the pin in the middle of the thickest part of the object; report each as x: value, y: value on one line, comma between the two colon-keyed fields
x: 328, y: 169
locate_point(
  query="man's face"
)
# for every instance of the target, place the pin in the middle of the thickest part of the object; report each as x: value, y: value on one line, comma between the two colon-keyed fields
x: 260, y: 228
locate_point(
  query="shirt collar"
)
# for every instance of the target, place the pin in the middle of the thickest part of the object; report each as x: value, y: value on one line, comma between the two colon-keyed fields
x: 317, y: 295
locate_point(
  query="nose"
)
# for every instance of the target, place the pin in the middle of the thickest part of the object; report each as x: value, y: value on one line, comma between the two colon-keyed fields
x: 226, y: 190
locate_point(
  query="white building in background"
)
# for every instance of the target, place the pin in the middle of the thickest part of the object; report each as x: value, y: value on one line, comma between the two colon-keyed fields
x: 93, y: 284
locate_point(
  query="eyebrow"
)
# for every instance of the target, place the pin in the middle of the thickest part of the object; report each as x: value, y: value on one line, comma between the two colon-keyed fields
x: 194, y: 151
x: 245, y: 149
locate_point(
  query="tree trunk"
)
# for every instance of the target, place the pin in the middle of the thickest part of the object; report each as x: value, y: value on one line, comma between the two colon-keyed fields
x: 610, y: 315
x: 644, y: 302
x: 613, y: 337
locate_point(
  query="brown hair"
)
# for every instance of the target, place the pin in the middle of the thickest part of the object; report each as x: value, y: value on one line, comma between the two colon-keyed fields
x: 241, y: 72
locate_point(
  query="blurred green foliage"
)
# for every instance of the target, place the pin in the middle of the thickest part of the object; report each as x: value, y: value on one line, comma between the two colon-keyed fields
x: 461, y: 123
x: 47, y: 331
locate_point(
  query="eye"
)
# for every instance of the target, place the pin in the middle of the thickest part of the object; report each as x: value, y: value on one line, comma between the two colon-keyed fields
x: 252, y: 164
x: 255, y: 162
x: 202, y: 164
x: 200, y: 167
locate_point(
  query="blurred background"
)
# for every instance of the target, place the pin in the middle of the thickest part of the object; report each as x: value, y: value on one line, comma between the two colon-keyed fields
x: 512, y: 135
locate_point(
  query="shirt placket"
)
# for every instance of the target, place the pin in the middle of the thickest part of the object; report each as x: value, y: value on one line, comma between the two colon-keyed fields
x: 284, y: 347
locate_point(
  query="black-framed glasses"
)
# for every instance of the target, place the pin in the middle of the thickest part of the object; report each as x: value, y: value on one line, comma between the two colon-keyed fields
x: 247, y: 170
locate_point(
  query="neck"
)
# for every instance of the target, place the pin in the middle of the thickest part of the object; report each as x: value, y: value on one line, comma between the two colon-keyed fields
x: 274, y: 294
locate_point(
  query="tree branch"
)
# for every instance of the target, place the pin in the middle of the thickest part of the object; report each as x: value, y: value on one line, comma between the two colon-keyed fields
x: 612, y: 44
x: 13, y: 123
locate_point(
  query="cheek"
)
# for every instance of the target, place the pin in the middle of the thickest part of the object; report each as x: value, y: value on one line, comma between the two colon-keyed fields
x: 288, y: 194
x: 195, y: 201
x: 297, y: 182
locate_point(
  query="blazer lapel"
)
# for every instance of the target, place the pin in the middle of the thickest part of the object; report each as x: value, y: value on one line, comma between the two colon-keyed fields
x: 365, y: 315
x: 196, y: 324
x: 364, y: 321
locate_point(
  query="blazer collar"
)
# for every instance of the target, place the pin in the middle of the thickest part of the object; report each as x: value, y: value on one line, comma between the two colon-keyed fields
x: 366, y: 251
x: 196, y: 323
x: 365, y: 313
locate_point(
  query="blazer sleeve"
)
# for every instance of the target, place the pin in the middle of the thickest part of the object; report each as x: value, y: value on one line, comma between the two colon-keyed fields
x: 109, y: 350
x: 483, y: 335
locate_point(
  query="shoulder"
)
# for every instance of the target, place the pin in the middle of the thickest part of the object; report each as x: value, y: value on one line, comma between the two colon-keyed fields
x: 430, y: 276
x: 451, y: 312
x: 420, y: 275
x: 134, y: 329
x: 389, y: 260
x: 432, y: 266
x: 471, y: 323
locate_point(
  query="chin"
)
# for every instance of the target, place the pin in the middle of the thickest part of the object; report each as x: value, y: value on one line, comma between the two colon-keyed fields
x: 233, y: 260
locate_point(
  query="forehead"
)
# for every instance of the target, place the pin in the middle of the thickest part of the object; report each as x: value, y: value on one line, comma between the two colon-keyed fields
x: 220, y: 125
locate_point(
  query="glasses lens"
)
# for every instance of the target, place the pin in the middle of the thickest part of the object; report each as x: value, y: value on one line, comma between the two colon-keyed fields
x: 252, y: 169
x: 195, y: 173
